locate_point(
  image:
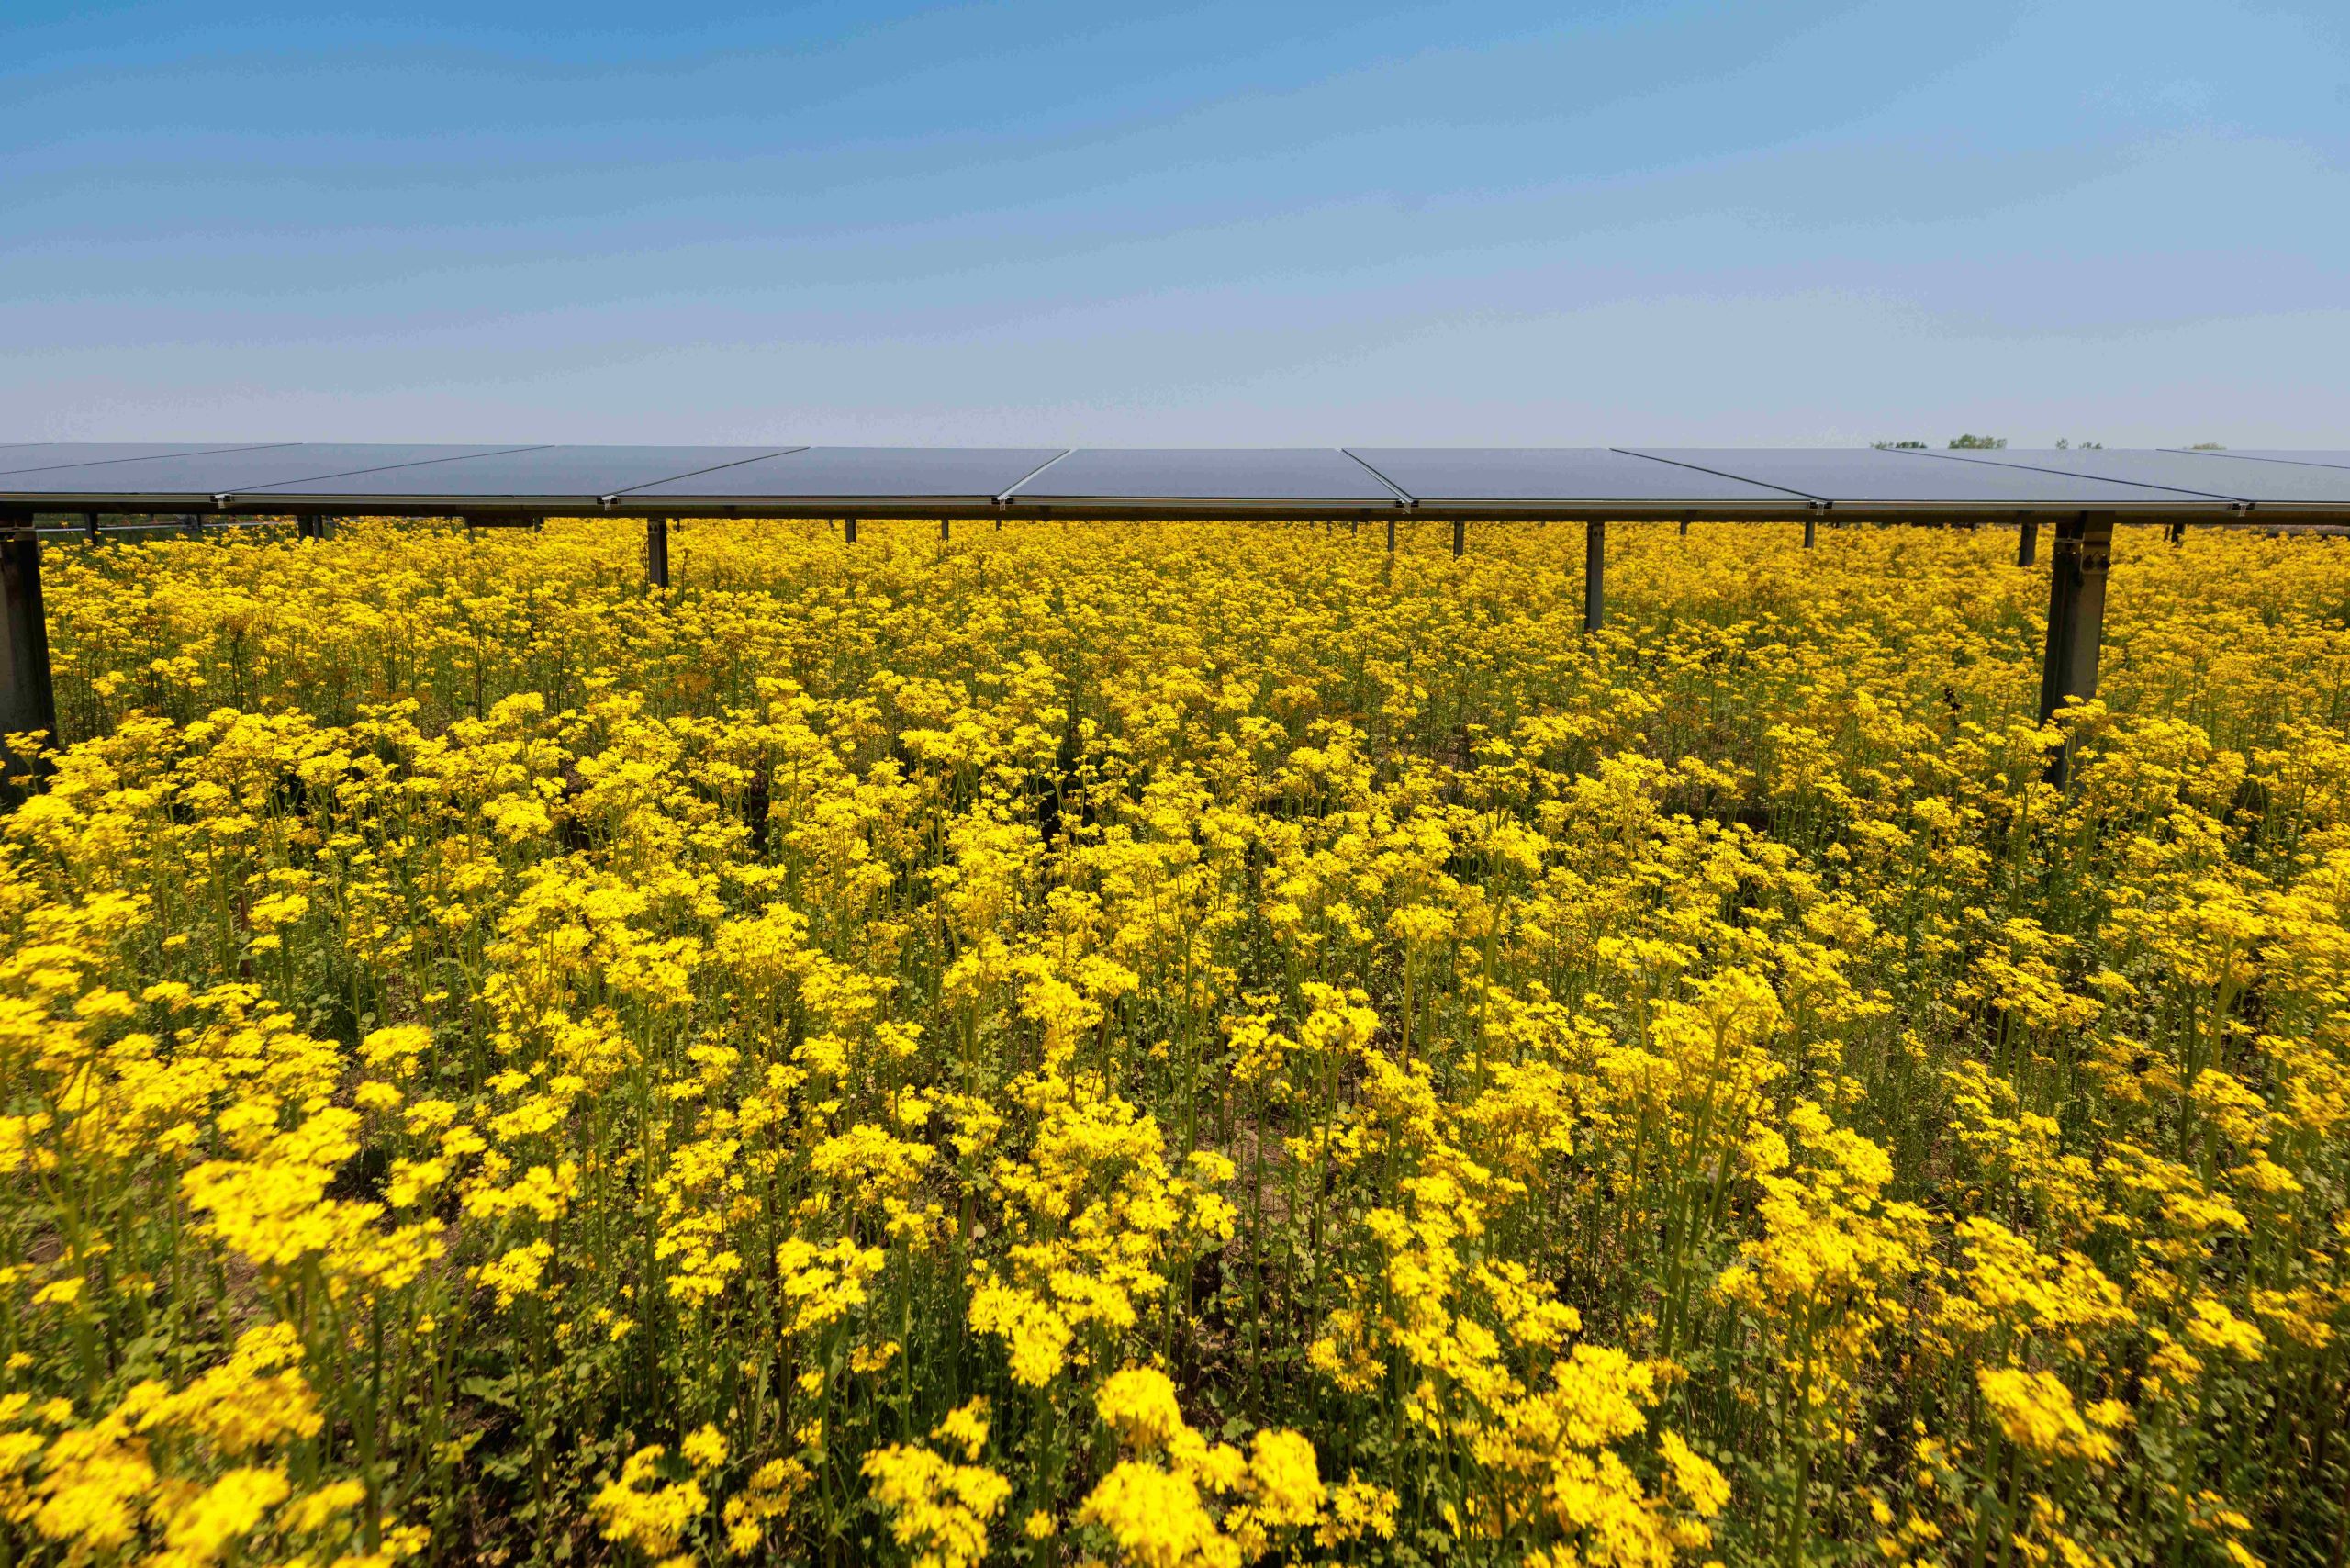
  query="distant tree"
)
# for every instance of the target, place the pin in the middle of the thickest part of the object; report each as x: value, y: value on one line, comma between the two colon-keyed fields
x: 2062, y: 444
x: 2207, y: 446
x: 1979, y: 443
x: 1898, y: 445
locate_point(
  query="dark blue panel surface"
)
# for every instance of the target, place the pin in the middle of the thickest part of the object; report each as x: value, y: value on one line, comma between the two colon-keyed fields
x: 1143, y: 473
x: 1566, y: 475
x: 871, y: 473
x: 546, y: 472
x: 228, y: 472
x: 77, y: 453
x: 2278, y: 483
x: 1895, y: 478
x: 2318, y: 457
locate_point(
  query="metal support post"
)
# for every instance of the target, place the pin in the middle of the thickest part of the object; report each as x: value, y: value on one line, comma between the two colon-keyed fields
x: 848, y: 530
x: 2076, y: 623
x: 1594, y: 576
x: 1459, y: 537
x: 2178, y: 532
x: 942, y: 531
x: 1810, y: 530
x: 656, y: 552
x: 90, y: 527
x: 191, y: 525
x: 28, y: 700
x: 1391, y: 536
x: 1685, y: 528
x: 2027, y: 541
x: 309, y: 525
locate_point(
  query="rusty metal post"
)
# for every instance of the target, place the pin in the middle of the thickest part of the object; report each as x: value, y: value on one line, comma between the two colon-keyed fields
x: 1594, y: 576
x: 2076, y: 575
x: 27, y: 697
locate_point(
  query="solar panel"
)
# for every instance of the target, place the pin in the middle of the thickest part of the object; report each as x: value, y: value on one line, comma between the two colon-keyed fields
x: 864, y: 472
x: 204, y: 474
x: 534, y: 472
x: 2274, y: 484
x: 1292, y: 473
x: 1555, y: 481
x: 1555, y: 474
x: 1901, y: 478
x: 2318, y: 457
x: 77, y: 453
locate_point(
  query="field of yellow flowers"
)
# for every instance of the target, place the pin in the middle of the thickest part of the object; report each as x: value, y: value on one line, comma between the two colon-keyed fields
x: 1176, y: 1045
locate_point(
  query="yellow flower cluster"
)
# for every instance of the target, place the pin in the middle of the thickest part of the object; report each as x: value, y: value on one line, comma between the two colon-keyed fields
x: 1176, y: 1045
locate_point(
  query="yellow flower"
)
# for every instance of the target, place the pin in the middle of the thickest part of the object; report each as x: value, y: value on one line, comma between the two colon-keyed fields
x: 2036, y: 1413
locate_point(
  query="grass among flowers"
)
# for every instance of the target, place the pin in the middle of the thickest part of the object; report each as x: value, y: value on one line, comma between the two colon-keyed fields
x: 1174, y: 1045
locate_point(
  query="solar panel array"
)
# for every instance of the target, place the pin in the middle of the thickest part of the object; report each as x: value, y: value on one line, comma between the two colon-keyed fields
x: 1305, y: 481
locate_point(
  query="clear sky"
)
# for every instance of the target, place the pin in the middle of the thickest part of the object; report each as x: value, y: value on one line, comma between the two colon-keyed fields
x: 1226, y: 224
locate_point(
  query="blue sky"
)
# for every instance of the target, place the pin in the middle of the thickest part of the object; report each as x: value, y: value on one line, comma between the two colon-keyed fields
x: 1215, y: 224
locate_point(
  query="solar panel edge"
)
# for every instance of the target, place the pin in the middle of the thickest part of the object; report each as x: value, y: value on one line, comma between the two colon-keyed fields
x: 2258, y: 457
x: 1988, y: 462
x: 264, y: 490
x: 713, y: 468
x: 1013, y: 489
x: 1722, y: 474
x: 865, y: 477
x: 1406, y: 497
x: 143, y: 456
x: 1513, y: 479
x: 1171, y: 462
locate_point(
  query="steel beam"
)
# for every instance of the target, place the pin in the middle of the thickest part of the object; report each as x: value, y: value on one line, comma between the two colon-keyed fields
x: 656, y: 552
x: 848, y: 530
x: 2076, y: 575
x: 2026, y: 542
x: 1594, y: 576
x: 1810, y: 530
x: 1459, y: 537
x: 28, y: 700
